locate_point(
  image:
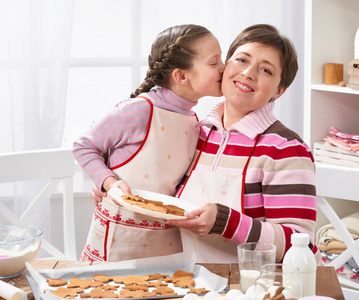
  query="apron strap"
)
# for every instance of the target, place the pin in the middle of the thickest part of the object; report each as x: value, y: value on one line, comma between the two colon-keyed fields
x: 143, y: 142
x: 245, y: 172
x: 200, y: 151
x: 195, y: 163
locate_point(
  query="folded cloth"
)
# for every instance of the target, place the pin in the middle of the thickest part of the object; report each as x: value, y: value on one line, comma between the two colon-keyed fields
x: 342, y: 144
x: 327, y: 233
x: 344, y: 136
x: 333, y: 247
x: 343, y: 140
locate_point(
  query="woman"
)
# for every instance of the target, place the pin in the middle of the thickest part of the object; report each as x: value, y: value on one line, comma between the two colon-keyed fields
x: 252, y: 177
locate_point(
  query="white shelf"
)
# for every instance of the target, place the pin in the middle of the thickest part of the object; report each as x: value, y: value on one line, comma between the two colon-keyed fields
x: 336, y: 168
x: 348, y: 282
x: 334, y: 88
x: 337, y: 181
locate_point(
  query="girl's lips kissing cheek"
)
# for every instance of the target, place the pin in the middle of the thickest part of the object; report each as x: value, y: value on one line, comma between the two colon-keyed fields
x: 243, y: 87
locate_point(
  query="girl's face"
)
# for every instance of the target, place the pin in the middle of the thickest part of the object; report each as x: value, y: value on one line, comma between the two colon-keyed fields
x: 251, y: 79
x: 205, y: 76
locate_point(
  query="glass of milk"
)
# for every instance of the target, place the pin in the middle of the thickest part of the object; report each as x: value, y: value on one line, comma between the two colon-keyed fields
x: 276, y: 279
x: 251, y: 257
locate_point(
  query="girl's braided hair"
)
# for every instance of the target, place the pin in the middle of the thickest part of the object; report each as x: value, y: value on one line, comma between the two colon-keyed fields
x: 172, y: 49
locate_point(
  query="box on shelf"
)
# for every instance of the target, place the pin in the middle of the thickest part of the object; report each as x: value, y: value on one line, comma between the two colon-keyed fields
x: 333, y: 73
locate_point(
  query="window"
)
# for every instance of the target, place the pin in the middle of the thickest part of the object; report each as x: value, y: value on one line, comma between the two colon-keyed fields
x: 110, y: 44
x: 103, y: 62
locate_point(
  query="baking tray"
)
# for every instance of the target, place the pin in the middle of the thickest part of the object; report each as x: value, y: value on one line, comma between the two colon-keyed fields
x: 162, y: 264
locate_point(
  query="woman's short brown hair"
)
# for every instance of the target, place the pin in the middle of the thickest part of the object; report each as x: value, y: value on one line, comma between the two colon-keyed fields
x: 270, y: 36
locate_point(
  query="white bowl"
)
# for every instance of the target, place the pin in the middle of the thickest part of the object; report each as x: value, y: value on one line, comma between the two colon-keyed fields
x: 18, y: 244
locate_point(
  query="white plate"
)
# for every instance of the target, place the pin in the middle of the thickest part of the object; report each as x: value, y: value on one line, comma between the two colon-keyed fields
x: 187, y: 206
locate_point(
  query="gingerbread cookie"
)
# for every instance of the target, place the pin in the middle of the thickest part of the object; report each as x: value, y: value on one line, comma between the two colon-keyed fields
x: 184, y: 282
x: 164, y: 290
x: 110, y: 287
x: 181, y: 273
x: 157, y: 276
x: 136, y: 287
x: 132, y: 279
x: 197, y: 291
x: 55, y: 282
x: 102, y: 278
x: 135, y: 203
x: 66, y: 292
x: 157, y: 283
x: 157, y: 206
x: 136, y: 294
x: 99, y: 293
x: 277, y: 295
x: 134, y: 198
x: 83, y: 283
x: 175, y: 210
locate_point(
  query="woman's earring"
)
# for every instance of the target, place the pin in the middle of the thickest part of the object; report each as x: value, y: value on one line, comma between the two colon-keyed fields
x: 272, y: 100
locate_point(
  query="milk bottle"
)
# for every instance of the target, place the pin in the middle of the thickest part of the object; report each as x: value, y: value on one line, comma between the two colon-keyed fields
x: 303, y: 258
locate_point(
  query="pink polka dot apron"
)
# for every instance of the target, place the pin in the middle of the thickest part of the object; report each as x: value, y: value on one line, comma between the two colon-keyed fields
x: 202, y: 187
x: 117, y: 234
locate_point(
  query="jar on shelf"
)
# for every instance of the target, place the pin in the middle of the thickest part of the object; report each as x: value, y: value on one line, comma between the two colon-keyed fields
x: 353, y: 74
x: 277, y: 279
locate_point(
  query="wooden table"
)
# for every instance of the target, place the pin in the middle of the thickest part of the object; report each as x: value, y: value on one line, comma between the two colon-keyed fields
x: 327, y: 281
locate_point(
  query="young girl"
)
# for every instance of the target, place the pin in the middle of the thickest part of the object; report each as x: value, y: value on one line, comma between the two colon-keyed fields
x: 150, y: 140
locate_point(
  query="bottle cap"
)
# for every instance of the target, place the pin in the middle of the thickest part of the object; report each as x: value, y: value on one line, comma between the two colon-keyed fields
x: 300, y: 239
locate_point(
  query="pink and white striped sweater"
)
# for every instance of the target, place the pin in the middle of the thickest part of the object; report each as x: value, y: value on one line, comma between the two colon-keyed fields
x: 279, y: 196
x: 121, y: 132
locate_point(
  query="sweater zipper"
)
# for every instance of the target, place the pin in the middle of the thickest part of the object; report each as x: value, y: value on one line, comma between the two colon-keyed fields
x: 220, y: 151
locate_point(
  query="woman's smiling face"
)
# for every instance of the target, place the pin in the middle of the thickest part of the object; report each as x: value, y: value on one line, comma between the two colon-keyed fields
x: 251, y: 78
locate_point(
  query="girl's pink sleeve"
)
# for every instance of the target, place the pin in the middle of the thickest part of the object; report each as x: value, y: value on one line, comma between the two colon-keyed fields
x: 114, y: 131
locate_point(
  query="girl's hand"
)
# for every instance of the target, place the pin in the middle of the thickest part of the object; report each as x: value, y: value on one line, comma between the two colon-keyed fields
x: 111, y: 183
x: 200, y: 221
x: 97, y: 195
x: 121, y: 185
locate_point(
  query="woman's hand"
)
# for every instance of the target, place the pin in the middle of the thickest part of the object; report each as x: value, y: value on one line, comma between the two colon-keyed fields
x: 200, y: 221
